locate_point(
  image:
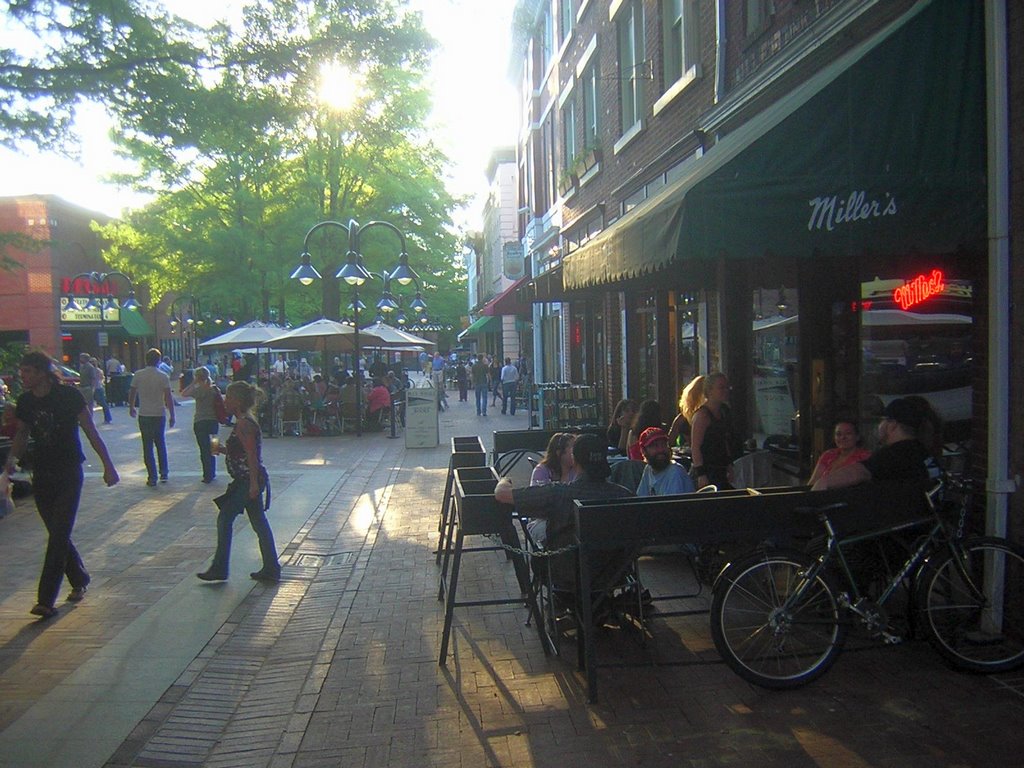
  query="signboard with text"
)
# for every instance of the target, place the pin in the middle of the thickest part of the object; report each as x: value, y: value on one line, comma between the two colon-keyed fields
x: 512, y: 260
x: 110, y: 314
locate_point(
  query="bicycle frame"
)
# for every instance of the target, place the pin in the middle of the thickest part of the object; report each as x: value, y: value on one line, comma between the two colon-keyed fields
x: 936, y: 536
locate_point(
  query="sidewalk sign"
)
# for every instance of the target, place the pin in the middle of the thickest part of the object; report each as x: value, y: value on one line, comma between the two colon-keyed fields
x: 421, y: 420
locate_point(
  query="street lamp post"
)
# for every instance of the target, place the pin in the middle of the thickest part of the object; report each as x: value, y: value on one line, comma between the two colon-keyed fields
x: 183, y: 322
x: 97, y: 300
x: 355, y: 275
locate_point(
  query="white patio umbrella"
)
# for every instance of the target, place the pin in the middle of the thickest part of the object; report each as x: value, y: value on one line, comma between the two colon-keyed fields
x: 323, y: 335
x: 252, y: 334
x: 395, y: 338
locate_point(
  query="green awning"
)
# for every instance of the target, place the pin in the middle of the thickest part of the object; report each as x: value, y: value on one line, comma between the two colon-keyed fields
x: 134, y: 324
x: 482, y: 325
x: 882, y: 151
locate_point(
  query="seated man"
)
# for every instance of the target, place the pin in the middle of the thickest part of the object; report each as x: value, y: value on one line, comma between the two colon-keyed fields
x: 662, y: 476
x: 555, y: 503
x: 900, y: 456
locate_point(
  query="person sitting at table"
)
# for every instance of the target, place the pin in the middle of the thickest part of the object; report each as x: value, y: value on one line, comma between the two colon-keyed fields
x: 618, y: 429
x: 649, y: 415
x: 555, y: 503
x: 289, y: 399
x: 848, y: 450
x: 557, y: 466
x: 662, y: 476
x: 378, y: 400
x: 901, y: 455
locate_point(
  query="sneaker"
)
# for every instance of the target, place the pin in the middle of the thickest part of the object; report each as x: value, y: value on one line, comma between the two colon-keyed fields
x: 151, y: 483
x: 43, y: 611
x: 163, y: 478
x: 212, y: 575
x: 76, y: 595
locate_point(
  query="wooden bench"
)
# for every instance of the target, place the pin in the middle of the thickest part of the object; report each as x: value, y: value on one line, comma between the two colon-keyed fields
x: 736, y: 516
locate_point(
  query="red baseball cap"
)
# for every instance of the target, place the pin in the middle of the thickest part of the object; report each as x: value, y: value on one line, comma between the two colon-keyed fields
x: 652, y: 435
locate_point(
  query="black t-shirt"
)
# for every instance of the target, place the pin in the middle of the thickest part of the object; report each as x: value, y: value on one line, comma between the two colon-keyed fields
x: 905, y: 460
x: 53, y: 425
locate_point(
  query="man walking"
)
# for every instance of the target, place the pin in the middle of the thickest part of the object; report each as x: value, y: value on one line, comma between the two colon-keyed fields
x: 99, y: 390
x: 509, y: 382
x: 153, y: 389
x: 86, y: 379
x: 479, y: 375
x: 51, y: 414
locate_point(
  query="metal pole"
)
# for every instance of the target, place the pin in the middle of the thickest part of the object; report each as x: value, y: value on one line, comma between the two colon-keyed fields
x: 359, y: 377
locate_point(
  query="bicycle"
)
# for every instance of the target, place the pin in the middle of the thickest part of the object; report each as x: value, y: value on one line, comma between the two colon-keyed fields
x: 779, y: 620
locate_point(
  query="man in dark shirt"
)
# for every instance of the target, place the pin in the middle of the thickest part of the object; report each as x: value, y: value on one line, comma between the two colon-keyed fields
x: 52, y: 413
x: 900, y: 455
x: 555, y: 503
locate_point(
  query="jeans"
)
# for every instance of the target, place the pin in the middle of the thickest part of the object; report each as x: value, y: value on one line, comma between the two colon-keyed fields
x: 152, y: 429
x: 508, y: 392
x: 481, y: 400
x: 99, y: 396
x: 234, y: 501
x: 204, y: 429
x: 57, y: 498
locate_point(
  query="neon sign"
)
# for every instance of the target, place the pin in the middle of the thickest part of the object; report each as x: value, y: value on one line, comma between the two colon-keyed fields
x: 920, y: 288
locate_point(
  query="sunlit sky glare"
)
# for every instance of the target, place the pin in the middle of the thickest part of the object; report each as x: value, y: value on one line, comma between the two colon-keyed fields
x: 474, y: 111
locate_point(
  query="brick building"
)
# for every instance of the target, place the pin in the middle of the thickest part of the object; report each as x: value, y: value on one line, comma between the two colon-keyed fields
x: 52, y: 247
x: 804, y: 195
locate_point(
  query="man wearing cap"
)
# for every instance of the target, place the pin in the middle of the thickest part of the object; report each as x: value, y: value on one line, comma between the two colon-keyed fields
x: 554, y: 502
x: 900, y: 456
x: 662, y: 476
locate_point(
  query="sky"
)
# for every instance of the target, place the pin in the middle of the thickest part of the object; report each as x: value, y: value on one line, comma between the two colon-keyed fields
x: 474, y: 111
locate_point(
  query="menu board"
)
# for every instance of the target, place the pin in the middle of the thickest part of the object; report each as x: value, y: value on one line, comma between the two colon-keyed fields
x: 421, y: 420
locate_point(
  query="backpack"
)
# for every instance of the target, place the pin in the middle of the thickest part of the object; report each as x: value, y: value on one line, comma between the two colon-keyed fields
x: 218, y: 406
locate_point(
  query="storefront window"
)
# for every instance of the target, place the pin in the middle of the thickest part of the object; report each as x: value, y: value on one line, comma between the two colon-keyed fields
x: 917, y: 339
x: 776, y: 344
x: 645, y: 349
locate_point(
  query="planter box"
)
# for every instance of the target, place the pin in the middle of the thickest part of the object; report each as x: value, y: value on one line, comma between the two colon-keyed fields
x: 475, y: 506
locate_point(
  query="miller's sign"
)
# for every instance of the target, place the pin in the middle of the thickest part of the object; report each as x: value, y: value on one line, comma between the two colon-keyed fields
x: 828, y: 212
x: 920, y: 288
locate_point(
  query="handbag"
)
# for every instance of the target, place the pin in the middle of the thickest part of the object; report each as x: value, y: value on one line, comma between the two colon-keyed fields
x: 218, y: 407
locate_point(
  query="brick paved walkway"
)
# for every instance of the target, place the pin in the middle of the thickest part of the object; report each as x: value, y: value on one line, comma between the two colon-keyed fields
x: 337, y: 665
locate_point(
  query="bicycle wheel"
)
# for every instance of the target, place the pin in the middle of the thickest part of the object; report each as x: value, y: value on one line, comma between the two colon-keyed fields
x: 762, y: 640
x: 974, y: 615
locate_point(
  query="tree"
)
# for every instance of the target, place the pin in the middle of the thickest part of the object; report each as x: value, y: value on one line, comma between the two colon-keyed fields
x: 228, y: 133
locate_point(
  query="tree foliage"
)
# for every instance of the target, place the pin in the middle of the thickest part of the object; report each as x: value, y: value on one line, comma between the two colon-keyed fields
x: 228, y: 132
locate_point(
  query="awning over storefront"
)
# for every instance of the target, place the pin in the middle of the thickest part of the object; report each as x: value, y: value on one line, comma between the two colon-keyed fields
x: 481, y: 326
x: 883, y: 151
x: 134, y: 324
x: 507, y: 302
x: 547, y: 286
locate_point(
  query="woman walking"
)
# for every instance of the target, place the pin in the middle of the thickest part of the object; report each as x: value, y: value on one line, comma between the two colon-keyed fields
x: 204, y: 423
x: 249, y: 482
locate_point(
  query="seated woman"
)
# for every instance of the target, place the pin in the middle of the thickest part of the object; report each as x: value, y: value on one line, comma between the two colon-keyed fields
x: 557, y: 466
x: 618, y: 429
x: 648, y: 416
x: 555, y: 503
x: 848, y: 450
